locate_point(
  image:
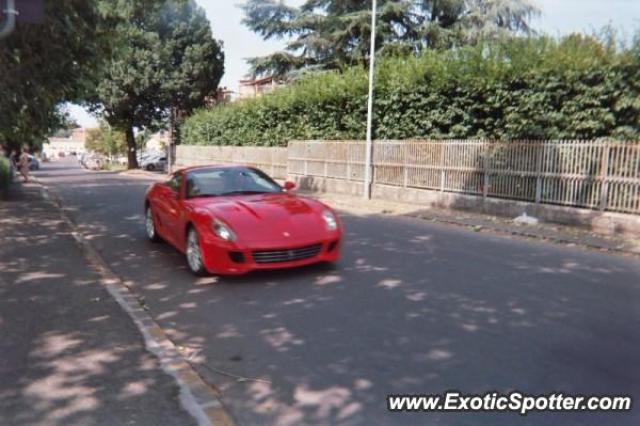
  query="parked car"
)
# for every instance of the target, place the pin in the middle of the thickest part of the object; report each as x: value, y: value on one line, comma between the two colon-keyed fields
x: 154, y: 162
x: 83, y: 158
x: 93, y: 161
x: 235, y: 219
x: 141, y: 156
x: 34, y: 164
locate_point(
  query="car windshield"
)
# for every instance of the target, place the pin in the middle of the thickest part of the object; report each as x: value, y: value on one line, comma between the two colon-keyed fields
x: 229, y: 181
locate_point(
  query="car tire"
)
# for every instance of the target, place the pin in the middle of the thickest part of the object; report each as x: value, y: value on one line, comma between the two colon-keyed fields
x: 151, y: 168
x: 150, y: 226
x: 194, y: 254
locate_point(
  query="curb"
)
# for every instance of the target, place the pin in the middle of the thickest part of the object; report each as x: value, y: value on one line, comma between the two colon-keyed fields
x: 564, y: 241
x: 143, y: 174
x: 196, y: 396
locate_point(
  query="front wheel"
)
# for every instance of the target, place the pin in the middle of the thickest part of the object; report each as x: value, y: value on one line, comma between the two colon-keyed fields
x: 151, y: 167
x: 194, y: 255
x: 150, y: 226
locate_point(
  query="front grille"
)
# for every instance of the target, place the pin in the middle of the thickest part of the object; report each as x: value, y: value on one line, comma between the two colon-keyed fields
x: 286, y: 255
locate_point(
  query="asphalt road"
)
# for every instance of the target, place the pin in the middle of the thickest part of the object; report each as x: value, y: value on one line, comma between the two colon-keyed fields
x: 412, y: 308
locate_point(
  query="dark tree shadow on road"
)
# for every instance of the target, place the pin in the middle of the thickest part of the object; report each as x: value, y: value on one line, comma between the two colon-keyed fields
x: 69, y: 354
x: 412, y: 307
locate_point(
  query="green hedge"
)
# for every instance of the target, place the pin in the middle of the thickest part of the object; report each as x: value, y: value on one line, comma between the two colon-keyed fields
x: 578, y: 87
x: 5, y: 174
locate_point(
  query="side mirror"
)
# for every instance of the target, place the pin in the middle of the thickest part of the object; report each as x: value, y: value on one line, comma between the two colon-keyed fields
x: 288, y: 185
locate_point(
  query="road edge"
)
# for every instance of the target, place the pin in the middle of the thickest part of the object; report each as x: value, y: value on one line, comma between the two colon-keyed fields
x: 196, y: 396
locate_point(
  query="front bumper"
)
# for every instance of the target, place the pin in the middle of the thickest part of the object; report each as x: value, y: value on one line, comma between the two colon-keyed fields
x: 229, y: 258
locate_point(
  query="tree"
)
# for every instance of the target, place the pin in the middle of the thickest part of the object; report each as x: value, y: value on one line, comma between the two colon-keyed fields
x: 142, y: 138
x: 43, y: 65
x: 195, y: 59
x: 164, y: 63
x: 330, y: 34
x: 105, y: 140
x: 64, y: 123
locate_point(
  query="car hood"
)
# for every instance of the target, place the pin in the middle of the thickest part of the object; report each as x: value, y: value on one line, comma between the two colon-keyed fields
x: 268, y: 218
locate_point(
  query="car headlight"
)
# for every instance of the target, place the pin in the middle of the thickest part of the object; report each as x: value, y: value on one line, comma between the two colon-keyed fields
x: 222, y: 230
x: 330, y: 220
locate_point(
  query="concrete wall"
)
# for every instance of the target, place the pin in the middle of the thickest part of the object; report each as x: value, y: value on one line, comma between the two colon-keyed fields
x: 271, y: 160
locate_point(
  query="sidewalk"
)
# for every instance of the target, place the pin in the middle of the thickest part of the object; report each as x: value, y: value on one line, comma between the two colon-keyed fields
x: 479, y: 222
x: 68, y: 354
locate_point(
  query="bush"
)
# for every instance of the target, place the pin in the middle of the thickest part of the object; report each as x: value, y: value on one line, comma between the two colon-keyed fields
x: 578, y: 87
x: 5, y: 174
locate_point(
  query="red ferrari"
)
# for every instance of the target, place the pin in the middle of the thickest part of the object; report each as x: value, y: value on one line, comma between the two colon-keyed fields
x: 230, y: 220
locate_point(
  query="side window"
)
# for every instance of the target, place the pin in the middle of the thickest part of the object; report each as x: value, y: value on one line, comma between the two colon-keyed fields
x: 193, y: 189
x: 174, y: 182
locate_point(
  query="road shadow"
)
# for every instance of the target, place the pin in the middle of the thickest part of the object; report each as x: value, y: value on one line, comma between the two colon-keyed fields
x: 70, y: 355
x: 412, y: 307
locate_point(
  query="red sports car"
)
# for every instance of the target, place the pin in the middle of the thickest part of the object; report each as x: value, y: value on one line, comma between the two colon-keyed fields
x: 231, y: 219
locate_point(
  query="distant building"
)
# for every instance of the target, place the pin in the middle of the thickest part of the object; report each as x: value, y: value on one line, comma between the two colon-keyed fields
x: 257, y: 87
x: 74, y: 143
x: 79, y: 134
x: 222, y: 97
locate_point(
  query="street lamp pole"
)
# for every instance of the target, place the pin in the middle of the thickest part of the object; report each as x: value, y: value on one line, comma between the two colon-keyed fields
x: 372, y: 57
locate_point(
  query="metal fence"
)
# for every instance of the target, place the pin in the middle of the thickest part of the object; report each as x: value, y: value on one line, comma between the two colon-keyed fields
x: 601, y: 175
x: 272, y: 160
x: 331, y: 159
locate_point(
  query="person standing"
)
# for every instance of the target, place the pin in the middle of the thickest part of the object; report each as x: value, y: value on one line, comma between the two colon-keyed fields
x: 23, y: 164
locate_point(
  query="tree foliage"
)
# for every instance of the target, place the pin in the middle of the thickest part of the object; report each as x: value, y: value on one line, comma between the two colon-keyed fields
x: 63, y: 128
x: 163, y: 58
x: 194, y: 60
x: 5, y: 175
x: 132, y: 60
x: 105, y: 140
x: 330, y: 34
x: 578, y: 87
x: 44, y: 64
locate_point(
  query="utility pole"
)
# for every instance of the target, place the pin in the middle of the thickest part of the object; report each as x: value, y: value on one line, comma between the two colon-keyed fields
x: 172, y: 131
x: 369, y: 154
x: 174, y: 118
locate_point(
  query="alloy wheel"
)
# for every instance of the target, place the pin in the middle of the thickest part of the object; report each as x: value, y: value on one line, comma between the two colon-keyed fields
x: 194, y: 257
x: 150, y: 225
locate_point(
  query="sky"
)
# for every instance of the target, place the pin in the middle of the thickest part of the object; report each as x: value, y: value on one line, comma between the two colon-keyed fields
x: 558, y: 17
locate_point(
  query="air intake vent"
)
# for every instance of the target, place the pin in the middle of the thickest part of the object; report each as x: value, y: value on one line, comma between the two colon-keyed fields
x: 286, y: 255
